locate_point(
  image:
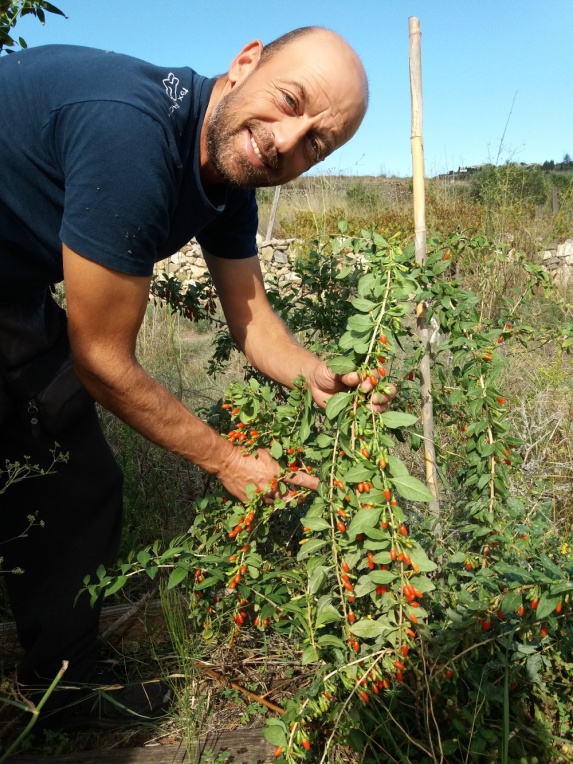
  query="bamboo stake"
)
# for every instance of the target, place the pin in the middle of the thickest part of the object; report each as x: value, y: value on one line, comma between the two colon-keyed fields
x: 420, y: 245
x: 274, y: 209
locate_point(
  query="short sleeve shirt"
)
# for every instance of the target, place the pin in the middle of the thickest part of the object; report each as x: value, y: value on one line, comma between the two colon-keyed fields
x: 101, y: 151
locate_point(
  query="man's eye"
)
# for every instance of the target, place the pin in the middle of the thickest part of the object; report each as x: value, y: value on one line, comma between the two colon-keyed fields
x: 315, y: 148
x: 289, y: 100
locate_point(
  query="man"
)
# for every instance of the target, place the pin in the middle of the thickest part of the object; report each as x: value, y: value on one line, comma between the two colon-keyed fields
x: 110, y: 164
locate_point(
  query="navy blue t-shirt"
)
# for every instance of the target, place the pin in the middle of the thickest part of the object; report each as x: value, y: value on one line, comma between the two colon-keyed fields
x: 101, y: 151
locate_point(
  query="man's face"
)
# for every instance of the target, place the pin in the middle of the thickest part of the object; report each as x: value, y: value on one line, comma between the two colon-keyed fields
x: 288, y: 113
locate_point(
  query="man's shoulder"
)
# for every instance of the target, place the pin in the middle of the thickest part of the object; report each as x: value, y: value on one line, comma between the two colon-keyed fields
x: 70, y: 74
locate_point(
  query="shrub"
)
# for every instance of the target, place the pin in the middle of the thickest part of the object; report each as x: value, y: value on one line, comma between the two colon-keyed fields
x: 430, y: 637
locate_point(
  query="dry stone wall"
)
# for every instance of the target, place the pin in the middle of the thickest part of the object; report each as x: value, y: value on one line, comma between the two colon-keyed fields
x: 277, y: 255
x: 558, y: 261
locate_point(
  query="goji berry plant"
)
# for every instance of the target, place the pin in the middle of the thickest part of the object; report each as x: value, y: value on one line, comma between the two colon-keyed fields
x: 432, y: 637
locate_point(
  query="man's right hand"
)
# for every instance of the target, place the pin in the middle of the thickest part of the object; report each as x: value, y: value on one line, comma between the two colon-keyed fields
x: 242, y: 469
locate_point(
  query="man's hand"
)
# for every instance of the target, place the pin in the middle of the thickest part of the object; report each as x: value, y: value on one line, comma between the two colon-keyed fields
x: 263, y: 471
x: 324, y: 384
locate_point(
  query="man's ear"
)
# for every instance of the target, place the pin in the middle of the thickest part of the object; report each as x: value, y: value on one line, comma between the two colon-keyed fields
x: 243, y: 64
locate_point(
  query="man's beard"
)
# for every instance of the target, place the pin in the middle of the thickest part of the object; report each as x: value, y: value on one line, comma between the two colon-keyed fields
x: 222, y: 131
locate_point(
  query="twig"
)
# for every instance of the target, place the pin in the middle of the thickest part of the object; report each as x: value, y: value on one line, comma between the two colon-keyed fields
x: 133, y: 611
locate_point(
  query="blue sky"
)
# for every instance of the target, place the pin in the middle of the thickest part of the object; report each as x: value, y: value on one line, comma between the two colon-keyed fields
x: 489, y: 66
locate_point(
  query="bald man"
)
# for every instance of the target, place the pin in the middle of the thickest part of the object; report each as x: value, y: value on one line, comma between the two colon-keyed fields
x: 110, y: 164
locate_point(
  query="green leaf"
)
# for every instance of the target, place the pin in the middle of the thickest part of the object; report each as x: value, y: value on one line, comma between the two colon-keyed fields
x: 276, y: 449
x: 336, y: 404
x: 315, y: 523
x: 341, y: 364
x: 510, y: 603
x: 143, y: 557
x: 394, y: 419
x: 411, y: 488
x: 363, y: 305
x: 275, y: 732
x: 366, y: 283
x: 369, y: 629
x: 309, y: 655
x: 362, y: 520
x: 546, y: 606
x: 419, y: 556
x: 359, y: 473
x: 311, y: 546
x: 177, y: 575
x: 396, y: 466
x: 551, y: 567
x: 328, y: 614
x: 329, y: 640
x: 382, y: 577
x: 116, y: 585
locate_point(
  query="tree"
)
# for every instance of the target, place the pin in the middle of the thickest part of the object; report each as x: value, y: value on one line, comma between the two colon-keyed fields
x: 12, y: 10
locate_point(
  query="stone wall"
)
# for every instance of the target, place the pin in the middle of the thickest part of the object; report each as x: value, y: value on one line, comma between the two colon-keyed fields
x: 277, y: 255
x: 558, y: 261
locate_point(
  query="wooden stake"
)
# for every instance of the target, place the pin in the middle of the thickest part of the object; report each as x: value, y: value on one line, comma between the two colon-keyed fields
x: 418, y: 179
x: 274, y: 209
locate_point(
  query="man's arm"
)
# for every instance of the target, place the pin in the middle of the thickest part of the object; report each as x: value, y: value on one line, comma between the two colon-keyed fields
x: 264, y: 338
x: 105, y: 311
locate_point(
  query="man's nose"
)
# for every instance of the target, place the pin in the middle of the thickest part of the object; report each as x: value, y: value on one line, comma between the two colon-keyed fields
x: 289, y: 133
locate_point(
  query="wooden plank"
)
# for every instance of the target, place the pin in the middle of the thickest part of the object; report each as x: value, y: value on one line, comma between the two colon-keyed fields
x: 245, y: 746
x: 150, y: 622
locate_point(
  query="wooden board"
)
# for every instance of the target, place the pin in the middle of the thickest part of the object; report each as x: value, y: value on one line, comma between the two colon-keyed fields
x: 245, y: 747
x: 148, y: 621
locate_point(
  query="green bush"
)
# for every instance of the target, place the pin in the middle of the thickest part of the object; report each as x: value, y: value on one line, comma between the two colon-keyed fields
x: 429, y: 636
x: 510, y: 184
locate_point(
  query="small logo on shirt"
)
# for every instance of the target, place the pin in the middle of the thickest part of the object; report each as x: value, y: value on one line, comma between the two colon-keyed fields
x: 171, y: 84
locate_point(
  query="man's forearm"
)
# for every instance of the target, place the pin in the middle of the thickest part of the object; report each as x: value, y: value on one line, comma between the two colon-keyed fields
x: 136, y: 398
x: 271, y: 348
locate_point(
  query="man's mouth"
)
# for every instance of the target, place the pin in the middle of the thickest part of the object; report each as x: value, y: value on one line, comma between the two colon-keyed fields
x: 269, y: 157
x: 257, y: 150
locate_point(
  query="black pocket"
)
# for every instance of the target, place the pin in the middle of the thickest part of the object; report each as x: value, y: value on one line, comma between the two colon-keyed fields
x: 36, y: 363
x: 63, y: 400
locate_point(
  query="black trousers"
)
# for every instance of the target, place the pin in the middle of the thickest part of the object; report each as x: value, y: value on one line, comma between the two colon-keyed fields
x: 81, y: 509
